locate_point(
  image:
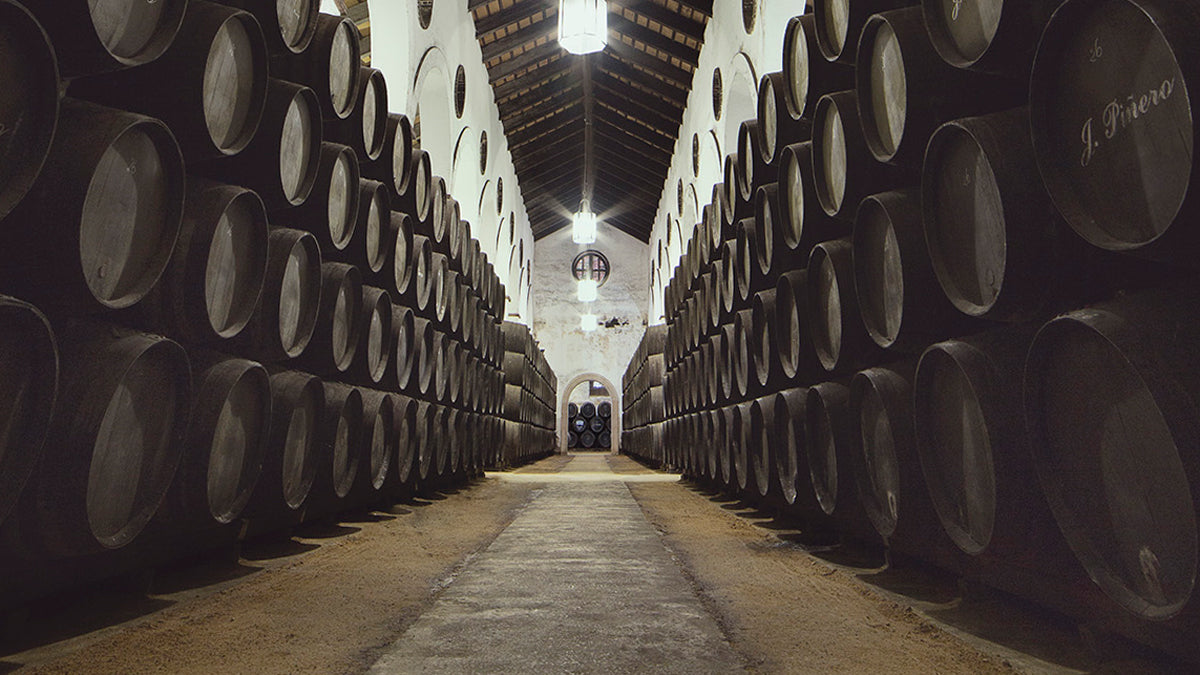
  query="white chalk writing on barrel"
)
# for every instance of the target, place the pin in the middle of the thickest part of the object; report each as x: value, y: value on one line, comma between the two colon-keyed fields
x: 4, y: 129
x: 1118, y: 115
x: 1096, y: 52
x: 954, y: 12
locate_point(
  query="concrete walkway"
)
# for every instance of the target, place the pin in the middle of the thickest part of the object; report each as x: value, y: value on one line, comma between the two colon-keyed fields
x: 578, y: 583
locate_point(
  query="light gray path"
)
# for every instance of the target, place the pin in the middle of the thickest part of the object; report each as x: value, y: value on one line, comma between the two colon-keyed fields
x: 579, y: 583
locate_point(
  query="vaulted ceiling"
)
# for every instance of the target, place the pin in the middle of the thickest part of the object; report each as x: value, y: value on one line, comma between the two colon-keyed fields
x: 602, y: 125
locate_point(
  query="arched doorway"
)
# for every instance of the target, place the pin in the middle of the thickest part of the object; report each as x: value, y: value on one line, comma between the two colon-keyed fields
x: 612, y: 394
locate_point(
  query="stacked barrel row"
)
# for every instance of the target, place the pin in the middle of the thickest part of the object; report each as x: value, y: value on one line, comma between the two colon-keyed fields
x: 589, y: 425
x: 642, y: 398
x: 245, y: 301
x: 529, y: 392
x: 910, y: 314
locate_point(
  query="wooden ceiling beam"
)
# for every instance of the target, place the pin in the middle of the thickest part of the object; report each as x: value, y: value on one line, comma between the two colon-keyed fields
x: 650, y: 130
x: 558, y: 90
x: 655, y: 12
x: 613, y: 163
x: 622, y: 60
x: 532, y: 80
x: 648, y: 36
x: 522, y: 61
x: 614, y: 92
x: 563, y: 146
x: 623, y: 127
x: 519, y: 11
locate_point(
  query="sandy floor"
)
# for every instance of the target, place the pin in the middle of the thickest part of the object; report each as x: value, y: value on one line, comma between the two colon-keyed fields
x: 330, y: 600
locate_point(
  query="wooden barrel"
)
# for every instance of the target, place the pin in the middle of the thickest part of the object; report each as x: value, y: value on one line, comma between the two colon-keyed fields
x: 338, y: 322
x: 103, y: 35
x: 828, y: 431
x: 991, y: 231
x: 282, y: 160
x: 379, y: 438
x: 740, y: 443
x: 393, y: 165
x: 454, y: 230
x: 765, y: 445
x: 330, y: 65
x: 753, y: 170
x: 764, y: 346
x: 404, y: 461
x: 435, y: 223
x: 285, y: 317
x: 375, y: 346
x: 1114, y: 143
x: 415, y: 196
x: 423, y: 357
x: 210, y: 290
x: 366, y: 128
x: 293, y: 446
x: 751, y: 276
x: 840, y: 339
x: 28, y: 391
x: 736, y: 207
x: 886, y: 466
x: 839, y: 24
x: 440, y: 384
x: 400, y: 236
x: 226, y: 444
x: 331, y: 211
x: 403, y: 336
x: 29, y: 79
x: 97, y: 229
x: 210, y: 87
x: 341, y: 434
x: 991, y: 36
x: 125, y: 399
x: 439, y: 274
x: 844, y: 171
x: 975, y: 459
x: 420, y: 261
x: 807, y: 75
x: 905, y: 90
x: 288, y: 24
x: 371, y: 245
x: 902, y: 306
x: 790, y: 456
x: 1110, y: 398
x: 745, y: 382
x: 426, y: 451
x: 776, y: 126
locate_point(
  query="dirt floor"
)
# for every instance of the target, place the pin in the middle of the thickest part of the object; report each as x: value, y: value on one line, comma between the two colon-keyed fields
x: 330, y: 600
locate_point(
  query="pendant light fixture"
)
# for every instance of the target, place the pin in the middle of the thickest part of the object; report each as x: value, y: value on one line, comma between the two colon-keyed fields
x: 583, y: 229
x: 582, y: 25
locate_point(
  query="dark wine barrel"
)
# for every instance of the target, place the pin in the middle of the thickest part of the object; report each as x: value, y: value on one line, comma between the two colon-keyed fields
x: 886, y: 466
x: 210, y: 87
x: 379, y: 437
x: 330, y: 65
x: 801, y: 222
x: 587, y: 440
x: 435, y: 223
x: 341, y: 436
x: 765, y: 445
x: 1114, y: 143
x: 282, y: 160
x: 426, y: 451
x: 991, y: 231
x: 393, y: 165
x: 905, y: 90
x: 844, y: 171
x: 415, y: 195
x: 579, y: 424
x: 753, y: 169
x: 1110, y: 399
x: 124, y: 404
x: 97, y: 229
x: 374, y: 352
x: 740, y: 443
x: 839, y: 337
x: 226, y: 443
x: 588, y: 410
x: 764, y: 345
x: 338, y: 322
x: 745, y: 381
x: 751, y: 276
x: 288, y: 24
x: 840, y: 22
x: 404, y: 462
x: 29, y: 115
x: 605, y: 409
x: 572, y: 410
x: 366, y: 128
x: 415, y: 293
x: 331, y: 211
x: 212, y: 286
x: 807, y: 75
x: 991, y: 36
x: 423, y: 357
x: 283, y: 322
x: 403, y: 338
x: 400, y: 236
x: 441, y: 367
x: 371, y: 243
x: 975, y: 457
x: 736, y: 207
x: 790, y: 455
x: 103, y: 35
x: 604, y: 439
x: 776, y: 126
x: 439, y: 284
x: 598, y: 424
x: 828, y: 445
x: 902, y: 306
x: 293, y: 445
x: 727, y: 274
x: 28, y: 391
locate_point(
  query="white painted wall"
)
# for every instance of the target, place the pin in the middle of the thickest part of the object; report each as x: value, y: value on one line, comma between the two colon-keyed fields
x: 742, y: 58
x: 605, y: 351
x: 420, y: 65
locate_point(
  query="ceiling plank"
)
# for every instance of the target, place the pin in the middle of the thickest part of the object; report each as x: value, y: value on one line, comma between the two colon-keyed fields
x: 655, y: 12
x: 650, y: 128
x: 533, y: 79
x: 524, y: 60
x: 615, y: 91
x: 619, y: 24
x: 624, y: 128
x: 558, y: 90
x: 546, y: 28
x: 533, y: 132
x: 614, y: 163
x: 565, y: 145
x: 622, y: 59
x: 518, y: 11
